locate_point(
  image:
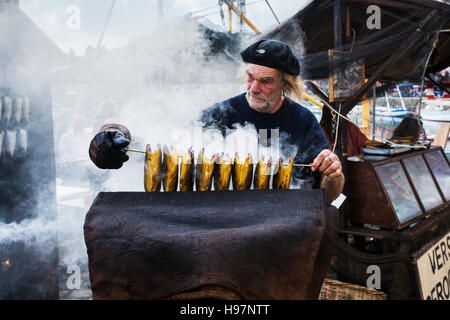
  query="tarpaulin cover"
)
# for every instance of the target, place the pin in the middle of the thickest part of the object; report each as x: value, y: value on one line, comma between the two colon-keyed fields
x: 253, y: 244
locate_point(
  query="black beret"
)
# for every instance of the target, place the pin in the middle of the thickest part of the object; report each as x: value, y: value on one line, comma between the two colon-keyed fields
x: 273, y: 54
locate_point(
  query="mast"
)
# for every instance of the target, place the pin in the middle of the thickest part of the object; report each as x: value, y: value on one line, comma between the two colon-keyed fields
x: 400, y: 95
x: 231, y: 6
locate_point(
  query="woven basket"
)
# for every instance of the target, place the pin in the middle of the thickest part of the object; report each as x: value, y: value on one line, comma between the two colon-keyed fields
x: 336, y: 290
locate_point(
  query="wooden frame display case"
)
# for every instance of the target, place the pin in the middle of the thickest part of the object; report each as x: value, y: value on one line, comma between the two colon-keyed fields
x: 395, y: 191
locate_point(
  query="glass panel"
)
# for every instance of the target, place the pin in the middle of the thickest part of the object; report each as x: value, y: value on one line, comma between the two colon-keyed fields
x: 441, y: 171
x: 399, y: 191
x: 423, y: 182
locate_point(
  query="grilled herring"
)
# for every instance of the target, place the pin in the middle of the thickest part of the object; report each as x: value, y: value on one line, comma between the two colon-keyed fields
x: 152, y: 177
x: 242, y: 173
x: 169, y: 174
x: 222, y: 173
x: 204, y: 172
x: 282, y: 177
x: 262, y: 174
x: 187, y: 171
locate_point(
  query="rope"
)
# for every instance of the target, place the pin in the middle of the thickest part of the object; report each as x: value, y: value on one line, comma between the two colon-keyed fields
x: 268, y: 4
x: 337, y: 131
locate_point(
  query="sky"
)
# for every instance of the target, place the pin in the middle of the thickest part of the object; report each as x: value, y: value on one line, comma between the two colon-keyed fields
x: 76, y: 24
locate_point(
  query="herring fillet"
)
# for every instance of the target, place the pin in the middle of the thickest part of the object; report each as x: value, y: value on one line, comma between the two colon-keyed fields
x: 222, y: 173
x: 282, y: 177
x: 204, y: 172
x: 152, y: 168
x: 242, y: 173
x: 262, y: 176
x: 187, y: 171
x: 169, y: 173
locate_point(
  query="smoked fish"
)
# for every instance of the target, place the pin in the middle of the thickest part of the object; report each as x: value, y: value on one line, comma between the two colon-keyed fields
x: 204, y: 172
x: 187, y: 171
x: 242, y: 173
x: 282, y: 177
x: 262, y: 174
x: 222, y: 173
x: 152, y: 168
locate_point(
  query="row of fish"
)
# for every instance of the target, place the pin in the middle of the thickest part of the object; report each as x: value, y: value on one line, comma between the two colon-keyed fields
x: 14, y: 111
x: 162, y: 168
x: 13, y: 143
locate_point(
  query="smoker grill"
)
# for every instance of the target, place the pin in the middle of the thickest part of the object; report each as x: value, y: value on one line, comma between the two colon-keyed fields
x: 246, y: 244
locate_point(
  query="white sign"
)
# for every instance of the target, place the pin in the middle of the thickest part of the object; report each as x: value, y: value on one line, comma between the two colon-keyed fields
x: 433, y: 268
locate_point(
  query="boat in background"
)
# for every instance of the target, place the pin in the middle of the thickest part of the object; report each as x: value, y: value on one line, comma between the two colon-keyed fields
x: 442, y: 116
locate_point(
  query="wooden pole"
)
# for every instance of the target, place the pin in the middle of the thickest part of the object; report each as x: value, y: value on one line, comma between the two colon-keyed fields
x: 230, y: 18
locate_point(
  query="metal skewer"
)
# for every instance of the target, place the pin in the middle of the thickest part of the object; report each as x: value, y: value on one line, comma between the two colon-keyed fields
x: 132, y: 150
x: 295, y: 164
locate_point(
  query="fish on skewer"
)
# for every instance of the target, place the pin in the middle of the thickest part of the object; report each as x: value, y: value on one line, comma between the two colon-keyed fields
x: 16, y: 113
x: 262, y: 174
x: 282, y: 177
x: 204, y: 172
x: 187, y: 171
x: 169, y: 173
x: 242, y: 173
x: 152, y: 168
x: 10, y: 143
x: 21, y: 142
x: 222, y: 173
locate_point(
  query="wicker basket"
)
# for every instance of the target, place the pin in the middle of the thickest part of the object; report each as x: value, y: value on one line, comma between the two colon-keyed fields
x: 336, y: 290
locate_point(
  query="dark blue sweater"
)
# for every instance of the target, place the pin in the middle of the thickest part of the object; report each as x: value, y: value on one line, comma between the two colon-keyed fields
x: 298, y: 130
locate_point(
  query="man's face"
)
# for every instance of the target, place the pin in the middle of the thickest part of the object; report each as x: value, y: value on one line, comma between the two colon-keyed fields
x: 264, y: 88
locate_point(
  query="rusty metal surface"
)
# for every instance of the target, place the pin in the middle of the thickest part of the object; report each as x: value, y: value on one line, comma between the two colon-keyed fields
x: 254, y: 244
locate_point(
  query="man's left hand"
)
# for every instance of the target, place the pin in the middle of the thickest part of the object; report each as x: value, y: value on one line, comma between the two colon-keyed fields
x: 327, y: 163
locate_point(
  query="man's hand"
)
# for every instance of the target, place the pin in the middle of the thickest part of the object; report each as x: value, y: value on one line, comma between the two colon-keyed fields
x: 328, y: 164
x: 107, y: 149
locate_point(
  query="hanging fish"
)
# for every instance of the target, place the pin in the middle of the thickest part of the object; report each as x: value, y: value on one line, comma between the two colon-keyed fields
x: 262, y: 174
x: 282, y: 177
x: 242, y: 173
x: 169, y: 174
x: 16, y: 111
x: 222, y: 173
x: 25, y: 111
x: 152, y: 175
x: 21, y: 142
x: 10, y: 144
x: 187, y: 171
x: 204, y: 172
